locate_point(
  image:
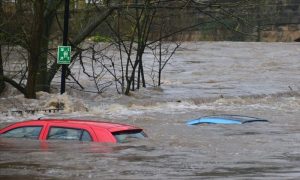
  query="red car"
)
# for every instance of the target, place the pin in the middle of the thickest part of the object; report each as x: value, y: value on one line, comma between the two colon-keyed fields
x: 70, y: 129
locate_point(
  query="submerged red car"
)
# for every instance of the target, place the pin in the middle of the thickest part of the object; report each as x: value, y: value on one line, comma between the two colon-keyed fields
x: 70, y: 129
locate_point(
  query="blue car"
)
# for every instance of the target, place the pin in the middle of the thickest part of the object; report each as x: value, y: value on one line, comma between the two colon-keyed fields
x: 225, y: 119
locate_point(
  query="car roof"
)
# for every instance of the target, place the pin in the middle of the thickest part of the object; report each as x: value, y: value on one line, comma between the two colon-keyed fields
x: 225, y: 119
x: 111, y: 126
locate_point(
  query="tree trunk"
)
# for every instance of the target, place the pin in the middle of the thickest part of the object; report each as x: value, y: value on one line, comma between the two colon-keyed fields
x: 42, y: 76
x: 130, y: 80
x: 2, y: 84
x: 159, y: 62
x: 142, y: 69
x: 35, y: 49
x: 141, y: 75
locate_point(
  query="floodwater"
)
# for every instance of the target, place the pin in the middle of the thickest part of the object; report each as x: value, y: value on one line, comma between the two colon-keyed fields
x: 205, y: 78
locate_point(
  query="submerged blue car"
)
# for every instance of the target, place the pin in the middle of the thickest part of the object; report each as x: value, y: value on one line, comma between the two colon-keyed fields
x: 225, y: 119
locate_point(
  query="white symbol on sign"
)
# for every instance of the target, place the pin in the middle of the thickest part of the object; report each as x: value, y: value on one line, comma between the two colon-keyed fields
x: 66, y: 54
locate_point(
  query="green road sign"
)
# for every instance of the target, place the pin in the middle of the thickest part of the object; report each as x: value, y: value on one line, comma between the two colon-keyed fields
x: 63, y: 54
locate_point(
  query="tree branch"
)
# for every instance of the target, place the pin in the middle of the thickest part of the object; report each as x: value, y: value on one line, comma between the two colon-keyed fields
x: 15, y: 84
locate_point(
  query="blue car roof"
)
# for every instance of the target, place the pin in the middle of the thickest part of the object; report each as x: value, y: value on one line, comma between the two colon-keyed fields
x: 225, y: 119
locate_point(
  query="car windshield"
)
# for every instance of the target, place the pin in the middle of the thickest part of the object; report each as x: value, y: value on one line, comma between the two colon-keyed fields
x: 126, y: 136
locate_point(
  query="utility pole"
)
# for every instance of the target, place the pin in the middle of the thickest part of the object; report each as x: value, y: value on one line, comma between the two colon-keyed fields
x: 65, y: 43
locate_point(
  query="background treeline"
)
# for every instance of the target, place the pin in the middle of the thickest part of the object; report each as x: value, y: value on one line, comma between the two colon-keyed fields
x: 261, y: 19
x: 111, y: 37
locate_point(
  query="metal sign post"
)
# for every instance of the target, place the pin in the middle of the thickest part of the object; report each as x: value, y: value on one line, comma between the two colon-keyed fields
x: 65, y: 54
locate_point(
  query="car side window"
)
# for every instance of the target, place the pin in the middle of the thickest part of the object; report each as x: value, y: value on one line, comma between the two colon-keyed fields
x: 86, y: 136
x: 62, y: 133
x: 31, y: 132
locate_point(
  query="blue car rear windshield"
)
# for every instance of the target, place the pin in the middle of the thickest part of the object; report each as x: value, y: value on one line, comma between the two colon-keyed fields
x: 127, y: 136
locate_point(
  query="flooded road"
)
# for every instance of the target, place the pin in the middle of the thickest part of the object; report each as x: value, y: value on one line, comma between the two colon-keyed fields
x: 253, y: 79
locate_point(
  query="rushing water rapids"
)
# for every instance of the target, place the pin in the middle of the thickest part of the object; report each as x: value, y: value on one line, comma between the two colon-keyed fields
x: 254, y: 79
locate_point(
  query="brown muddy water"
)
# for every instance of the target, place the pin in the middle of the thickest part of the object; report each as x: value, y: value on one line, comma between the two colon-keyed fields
x: 253, y: 79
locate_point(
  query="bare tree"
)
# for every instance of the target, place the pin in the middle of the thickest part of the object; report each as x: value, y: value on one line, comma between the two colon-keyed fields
x: 138, y: 21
